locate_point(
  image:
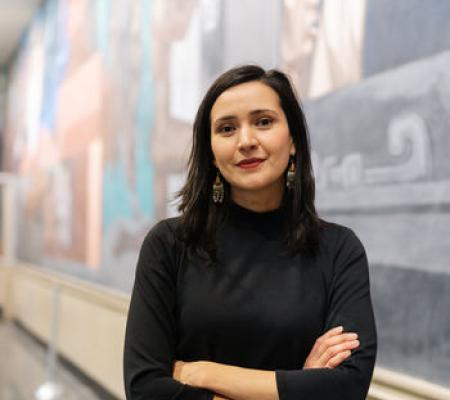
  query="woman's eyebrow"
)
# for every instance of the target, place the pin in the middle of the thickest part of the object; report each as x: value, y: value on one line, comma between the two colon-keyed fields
x: 225, y: 118
x: 256, y: 112
x: 252, y: 113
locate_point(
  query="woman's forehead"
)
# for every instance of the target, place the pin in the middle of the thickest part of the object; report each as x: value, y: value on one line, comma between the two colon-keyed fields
x: 245, y: 98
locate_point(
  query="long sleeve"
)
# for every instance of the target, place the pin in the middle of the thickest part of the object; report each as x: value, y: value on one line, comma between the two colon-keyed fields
x: 349, y: 305
x: 150, y: 338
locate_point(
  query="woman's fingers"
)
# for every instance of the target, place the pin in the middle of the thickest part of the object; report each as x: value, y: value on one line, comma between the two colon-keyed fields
x: 332, y: 332
x: 177, y: 370
x: 331, y: 349
x: 338, y: 359
x: 336, y: 340
x: 322, y: 340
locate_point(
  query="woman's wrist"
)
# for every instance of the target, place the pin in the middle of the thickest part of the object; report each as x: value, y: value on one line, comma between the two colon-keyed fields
x: 215, y: 376
x: 227, y: 381
x: 208, y: 376
x: 194, y: 373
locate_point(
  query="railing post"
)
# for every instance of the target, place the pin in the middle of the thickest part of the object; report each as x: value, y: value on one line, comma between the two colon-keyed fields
x: 51, y: 390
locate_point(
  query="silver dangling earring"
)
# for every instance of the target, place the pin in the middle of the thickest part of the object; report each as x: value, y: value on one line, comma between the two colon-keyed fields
x: 290, y: 178
x: 218, y: 190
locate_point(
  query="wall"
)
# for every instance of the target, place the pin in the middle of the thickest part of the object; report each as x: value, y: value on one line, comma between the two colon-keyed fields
x: 3, y: 90
x: 89, y: 320
x: 103, y: 94
x: 90, y: 326
x: 386, y: 175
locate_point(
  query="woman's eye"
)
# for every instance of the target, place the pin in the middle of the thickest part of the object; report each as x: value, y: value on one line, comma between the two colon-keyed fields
x: 225, y: 129
x: 264, y: 121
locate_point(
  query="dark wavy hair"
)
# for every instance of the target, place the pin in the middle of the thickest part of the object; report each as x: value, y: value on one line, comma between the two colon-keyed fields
x: 199, y: 214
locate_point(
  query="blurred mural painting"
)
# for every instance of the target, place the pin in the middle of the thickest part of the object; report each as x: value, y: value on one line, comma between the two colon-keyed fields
x: 100, y: 109
x: 79, y: 135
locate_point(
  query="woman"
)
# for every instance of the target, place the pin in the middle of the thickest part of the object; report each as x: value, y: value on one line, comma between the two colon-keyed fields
x: 248, y: 294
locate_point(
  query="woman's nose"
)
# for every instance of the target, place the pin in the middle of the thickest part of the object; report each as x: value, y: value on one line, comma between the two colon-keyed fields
x: 247, y: 139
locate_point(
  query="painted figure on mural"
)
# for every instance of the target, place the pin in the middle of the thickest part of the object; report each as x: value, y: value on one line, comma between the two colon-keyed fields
x: 331, y: 34
x: 173, y: 22
x: 249, y: 293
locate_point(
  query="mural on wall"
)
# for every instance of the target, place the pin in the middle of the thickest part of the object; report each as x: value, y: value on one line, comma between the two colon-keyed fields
x: 102, y: 99
x: 380, y: 144
x: 79, y: 128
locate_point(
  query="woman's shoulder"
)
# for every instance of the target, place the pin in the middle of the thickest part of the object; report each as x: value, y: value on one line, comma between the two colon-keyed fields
x: 161, y: 245
x: 336, y: 235
x: 165, y: 227
x: 333, y: 228
x: 164, y: 231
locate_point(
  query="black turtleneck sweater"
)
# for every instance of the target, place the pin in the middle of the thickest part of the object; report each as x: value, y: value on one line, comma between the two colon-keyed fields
x: 259, y: 307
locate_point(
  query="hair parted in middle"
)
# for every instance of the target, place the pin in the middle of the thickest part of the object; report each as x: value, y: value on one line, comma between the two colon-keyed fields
x: 199, y: 214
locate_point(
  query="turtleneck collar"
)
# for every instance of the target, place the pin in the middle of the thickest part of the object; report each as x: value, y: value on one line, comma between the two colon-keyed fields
x: 265, y: 221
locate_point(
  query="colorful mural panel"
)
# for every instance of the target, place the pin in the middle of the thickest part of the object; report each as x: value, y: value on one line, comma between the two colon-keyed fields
x: 84, y: 128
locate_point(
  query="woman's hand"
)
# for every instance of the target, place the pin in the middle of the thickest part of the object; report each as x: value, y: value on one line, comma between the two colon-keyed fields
x: 331, y: 349
x: 193, y: 374
x: 190, y: 373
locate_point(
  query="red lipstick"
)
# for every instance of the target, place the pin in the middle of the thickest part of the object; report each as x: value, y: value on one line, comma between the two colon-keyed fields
x: 250, y: 163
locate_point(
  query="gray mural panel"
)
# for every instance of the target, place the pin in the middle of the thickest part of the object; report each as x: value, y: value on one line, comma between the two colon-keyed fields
x: 396, y: 122
x: 412, y: 312
x: 381, y: 162
x: 401, y: 31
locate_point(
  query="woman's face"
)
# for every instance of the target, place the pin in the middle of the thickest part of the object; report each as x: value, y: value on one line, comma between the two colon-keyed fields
x: 250, y: 140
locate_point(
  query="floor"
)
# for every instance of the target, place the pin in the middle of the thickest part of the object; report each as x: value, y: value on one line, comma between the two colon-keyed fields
x: 23, y: 369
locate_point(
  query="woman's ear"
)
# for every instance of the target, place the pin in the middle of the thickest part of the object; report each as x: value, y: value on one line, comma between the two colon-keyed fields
x: 292, y: 149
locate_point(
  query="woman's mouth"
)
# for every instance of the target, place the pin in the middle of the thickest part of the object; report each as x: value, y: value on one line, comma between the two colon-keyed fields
x: 251, y: 163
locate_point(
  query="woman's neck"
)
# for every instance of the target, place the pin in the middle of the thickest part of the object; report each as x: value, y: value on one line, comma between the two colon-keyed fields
x: 258, y: 202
